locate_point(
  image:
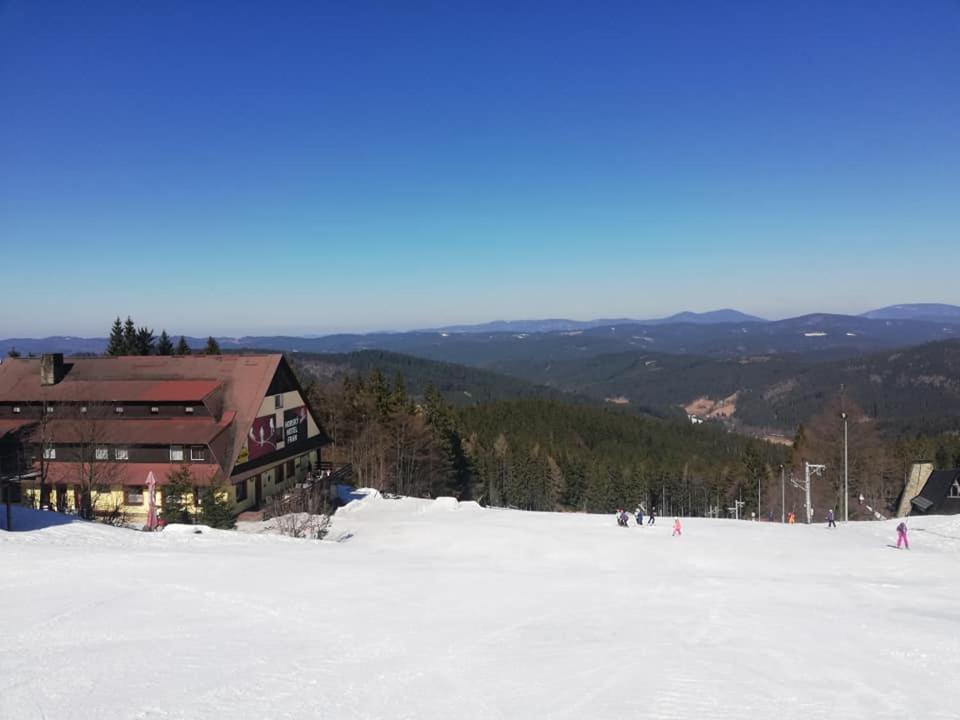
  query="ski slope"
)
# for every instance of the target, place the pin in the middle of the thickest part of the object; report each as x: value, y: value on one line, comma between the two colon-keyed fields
x: 434, y: 609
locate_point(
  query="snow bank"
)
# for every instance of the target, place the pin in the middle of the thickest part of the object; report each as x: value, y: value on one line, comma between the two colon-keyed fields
x: 443, y: 504
x: 185, y: 529
x: 24, y: 519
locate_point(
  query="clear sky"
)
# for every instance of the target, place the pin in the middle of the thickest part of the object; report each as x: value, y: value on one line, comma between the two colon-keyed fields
x: 285, y: 167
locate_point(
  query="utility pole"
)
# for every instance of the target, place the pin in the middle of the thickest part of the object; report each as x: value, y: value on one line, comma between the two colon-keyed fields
x: 783, y: 495
x: 846, y: 487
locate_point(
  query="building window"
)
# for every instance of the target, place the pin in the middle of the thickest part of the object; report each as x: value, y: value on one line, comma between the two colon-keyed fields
x: 102, y: 453
x: 49, y: 453
x: 198, y: 453
x: 154, y: 411
x: 955, y: 489
x: 198, y: 493
x: 121, y: 454
x: 176, y: 453
x: 16, y: 411
x: 118, y: 410
x: 133, y: 495
x: 278, y: 402
x: 291, y: 469
x: 188, y: 410
x: 49, y: 409
x: 83, y: 410
x: 240, y: 490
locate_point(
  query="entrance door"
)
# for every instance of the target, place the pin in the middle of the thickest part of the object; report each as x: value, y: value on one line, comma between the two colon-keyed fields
x: 61, y: 498
x: 258, y: 490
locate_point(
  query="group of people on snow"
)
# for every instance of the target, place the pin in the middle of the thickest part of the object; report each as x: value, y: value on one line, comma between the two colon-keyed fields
x: 623, y: 519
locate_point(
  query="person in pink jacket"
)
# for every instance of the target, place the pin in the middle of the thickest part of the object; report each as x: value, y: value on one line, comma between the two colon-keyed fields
x: 676, y: 526
x: 902, y: 536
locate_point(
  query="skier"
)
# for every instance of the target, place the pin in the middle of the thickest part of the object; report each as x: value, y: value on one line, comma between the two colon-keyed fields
x: 653, y: 517
x: 791, y: 518
x: 831, y: 523
x: 677, y: 530
x: 902, y: 536
x: 622, y: 517
x: 639, y: 514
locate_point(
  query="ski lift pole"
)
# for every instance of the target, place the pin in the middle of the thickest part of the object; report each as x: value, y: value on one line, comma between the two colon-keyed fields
x: 809, y: 471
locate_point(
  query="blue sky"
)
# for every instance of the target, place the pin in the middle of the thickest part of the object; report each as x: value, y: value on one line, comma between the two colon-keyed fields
x: 284, y: 167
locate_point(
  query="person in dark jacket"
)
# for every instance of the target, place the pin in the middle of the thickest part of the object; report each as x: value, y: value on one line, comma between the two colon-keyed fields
x: 653, y: 517
x: 831, y: 523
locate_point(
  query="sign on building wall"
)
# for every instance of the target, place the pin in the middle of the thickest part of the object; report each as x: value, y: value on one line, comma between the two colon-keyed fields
x: 262, y: 438
x: 295, y: 425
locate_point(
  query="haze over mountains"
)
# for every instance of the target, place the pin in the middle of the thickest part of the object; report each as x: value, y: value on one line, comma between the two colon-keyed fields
x: 719, y: 333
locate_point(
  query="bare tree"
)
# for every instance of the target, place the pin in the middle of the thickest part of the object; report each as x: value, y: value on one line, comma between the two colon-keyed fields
x: 95, y: 471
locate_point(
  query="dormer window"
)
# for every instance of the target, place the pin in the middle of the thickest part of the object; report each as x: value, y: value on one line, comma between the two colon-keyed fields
x: 955, y: 489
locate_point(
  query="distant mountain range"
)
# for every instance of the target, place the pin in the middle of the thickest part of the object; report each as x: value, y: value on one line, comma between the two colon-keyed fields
x: 929, y: 312
x: 563, y: 325
x: 503, y: 345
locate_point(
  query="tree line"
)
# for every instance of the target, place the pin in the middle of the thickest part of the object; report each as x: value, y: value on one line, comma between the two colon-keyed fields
x: 126, y: 338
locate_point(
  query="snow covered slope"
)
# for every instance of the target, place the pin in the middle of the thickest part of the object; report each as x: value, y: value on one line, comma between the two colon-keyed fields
x: 420, y: 609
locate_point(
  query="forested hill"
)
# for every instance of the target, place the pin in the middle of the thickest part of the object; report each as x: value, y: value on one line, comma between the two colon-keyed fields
x: 537, y: 454
x: 915, y: 390
x: 460, y: 385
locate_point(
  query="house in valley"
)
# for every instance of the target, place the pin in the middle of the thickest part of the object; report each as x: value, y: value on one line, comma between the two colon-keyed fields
x: 95, y: 429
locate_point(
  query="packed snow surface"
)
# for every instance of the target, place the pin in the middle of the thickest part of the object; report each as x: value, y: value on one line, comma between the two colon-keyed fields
x: 421, y: 609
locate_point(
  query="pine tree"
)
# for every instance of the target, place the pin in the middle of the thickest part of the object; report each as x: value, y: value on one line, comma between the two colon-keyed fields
x: 399, y: 395
x: 116, y: 345
x: 216, y: 509
x: 144, y: 342
x: 213, y: 347
x: 182, y: 347
x: 164, y: 344
x: 175, y: 506
x: 129, y: 337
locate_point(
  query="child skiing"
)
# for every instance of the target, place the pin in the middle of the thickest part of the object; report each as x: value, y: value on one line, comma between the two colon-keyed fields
x: 831, y: 523
x: 622, y: 516
x: 902, y: 536
x: 639, y: 514
x: 677, y: 530
x: 653, y: 517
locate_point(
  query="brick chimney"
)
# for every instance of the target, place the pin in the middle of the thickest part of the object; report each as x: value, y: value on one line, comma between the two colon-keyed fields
x: 51, y: 368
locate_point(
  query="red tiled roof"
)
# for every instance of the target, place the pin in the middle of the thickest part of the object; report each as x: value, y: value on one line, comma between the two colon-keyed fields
x: 28, y: 389
x: 11, y: 426
x: 68, y: 473
x: 151, y: 431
